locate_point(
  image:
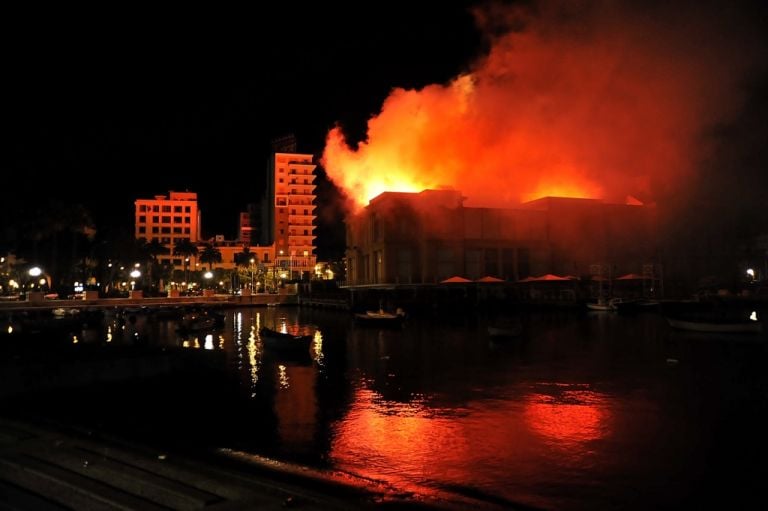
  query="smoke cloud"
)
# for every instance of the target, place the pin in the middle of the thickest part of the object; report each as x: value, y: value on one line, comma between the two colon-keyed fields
x: 579, y: 99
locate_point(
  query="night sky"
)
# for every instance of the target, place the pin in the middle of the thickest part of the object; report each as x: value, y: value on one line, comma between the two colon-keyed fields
x: 117, y: 106
x: 135, y: 109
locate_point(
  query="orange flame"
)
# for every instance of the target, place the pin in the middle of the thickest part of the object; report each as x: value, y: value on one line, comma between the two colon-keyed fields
x: 597, y: 104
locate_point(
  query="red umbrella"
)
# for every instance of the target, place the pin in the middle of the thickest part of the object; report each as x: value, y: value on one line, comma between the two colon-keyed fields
x: 544, y: 278
x: 488, y: 278
x: 455, y: 280
x: 631, y: 276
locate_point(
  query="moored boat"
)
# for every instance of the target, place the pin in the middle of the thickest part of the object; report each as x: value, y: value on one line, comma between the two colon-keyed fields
x: 285, y: 343
x: 716, y: 326
x: 381, y: 318
x: 505, y: 328
x: 602, y: 305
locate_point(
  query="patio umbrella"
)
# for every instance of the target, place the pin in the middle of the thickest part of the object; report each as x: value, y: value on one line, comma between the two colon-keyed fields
x: 545, y: 278
x: 488, y: 278
x: 631, y: 276
x: 455, y: 280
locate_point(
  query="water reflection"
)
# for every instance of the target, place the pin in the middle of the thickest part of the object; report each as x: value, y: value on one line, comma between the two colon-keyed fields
x: 580, y: 412
x: 568, y: 418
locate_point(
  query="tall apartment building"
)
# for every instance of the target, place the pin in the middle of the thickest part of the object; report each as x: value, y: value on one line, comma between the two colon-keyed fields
x: 168, y: 219
x: 290, y: 222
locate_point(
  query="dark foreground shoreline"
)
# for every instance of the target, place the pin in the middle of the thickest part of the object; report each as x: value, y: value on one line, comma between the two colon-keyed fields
x: 120, y: 428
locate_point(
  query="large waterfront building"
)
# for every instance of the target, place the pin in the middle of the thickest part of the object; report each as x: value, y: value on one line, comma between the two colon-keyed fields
x: 290, y: 212
x: 426, y: 237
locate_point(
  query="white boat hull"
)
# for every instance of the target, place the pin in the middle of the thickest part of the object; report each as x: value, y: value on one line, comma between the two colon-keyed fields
x: 745, y: 327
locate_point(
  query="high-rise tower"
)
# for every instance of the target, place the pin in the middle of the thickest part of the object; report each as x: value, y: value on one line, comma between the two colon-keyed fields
x: 291, y: 192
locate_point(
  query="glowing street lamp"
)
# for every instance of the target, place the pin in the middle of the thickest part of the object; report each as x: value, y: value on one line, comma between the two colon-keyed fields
x: 135, y: 274
x: 252, y: 261
x: 34, y: 273
x: 208, y: 276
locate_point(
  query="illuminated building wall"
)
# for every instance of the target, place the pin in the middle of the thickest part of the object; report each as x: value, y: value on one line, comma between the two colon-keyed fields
x: 426, y: 237
x: 262, y: 256
x: 168, y: 219
x: 290, y: 223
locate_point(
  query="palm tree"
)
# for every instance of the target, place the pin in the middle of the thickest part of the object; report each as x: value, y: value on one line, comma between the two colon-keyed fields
x: 153, y: 249
x: 49, y: 224
x: 210, y: 255
x: 185, y: 249
x: 243, y: 259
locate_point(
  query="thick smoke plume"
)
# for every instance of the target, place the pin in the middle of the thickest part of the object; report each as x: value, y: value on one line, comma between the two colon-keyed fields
x: 577, y: 99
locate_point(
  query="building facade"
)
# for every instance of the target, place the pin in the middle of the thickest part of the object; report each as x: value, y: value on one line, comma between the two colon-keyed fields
x: 250, y: 226
x: 290, y: 215
x: 168, y: 219
x: 426, y: 237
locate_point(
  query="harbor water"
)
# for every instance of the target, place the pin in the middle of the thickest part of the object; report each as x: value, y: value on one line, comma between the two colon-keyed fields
x: 580, y: 411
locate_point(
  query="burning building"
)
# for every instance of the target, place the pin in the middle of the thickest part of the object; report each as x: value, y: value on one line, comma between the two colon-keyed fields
x: 426, y: 237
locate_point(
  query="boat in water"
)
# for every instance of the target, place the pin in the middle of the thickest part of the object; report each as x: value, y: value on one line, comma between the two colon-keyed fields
x: 285, y: 343
x: 717, y: 325
x: 506, y: 328
x: 603, y: 305
x: 380, y: 318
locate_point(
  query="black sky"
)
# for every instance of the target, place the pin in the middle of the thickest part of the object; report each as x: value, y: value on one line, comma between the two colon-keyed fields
x: 102, y: 108
x: 136, y: 107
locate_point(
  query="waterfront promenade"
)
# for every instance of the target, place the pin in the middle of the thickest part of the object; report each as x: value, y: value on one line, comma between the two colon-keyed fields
x: 105, y: 303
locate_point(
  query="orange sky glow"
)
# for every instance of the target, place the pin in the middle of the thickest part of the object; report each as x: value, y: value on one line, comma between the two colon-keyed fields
x: 599, y: 104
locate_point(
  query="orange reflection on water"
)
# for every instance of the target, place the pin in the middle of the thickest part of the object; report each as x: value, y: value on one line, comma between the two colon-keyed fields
x: 296, y: 405
x: 402, y: 444
x: 568, y: 418
x: 494, y: 443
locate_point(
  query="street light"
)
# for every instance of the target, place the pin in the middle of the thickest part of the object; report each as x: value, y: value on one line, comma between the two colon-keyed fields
x: 135, y: 274
x: 208, y: 276
x: 35, y: 272
x: 252, y: 261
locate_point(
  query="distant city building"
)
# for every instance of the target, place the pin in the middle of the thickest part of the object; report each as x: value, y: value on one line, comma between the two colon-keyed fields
x: 248, y: 225
x: 168, y: 219
x: 245, y: 229
x: 289, y: 221
x: 279, y: 232
x: 263, y: 256
x: 426, y: 237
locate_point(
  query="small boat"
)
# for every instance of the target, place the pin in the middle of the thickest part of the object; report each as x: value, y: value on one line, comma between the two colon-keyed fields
x: 202, y: 322
x: 381, y: 318
x: 603, y: 305
x: 636, y: 305
x: 717, y: 326
x: 505, y: 328
x: 285, y: 343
